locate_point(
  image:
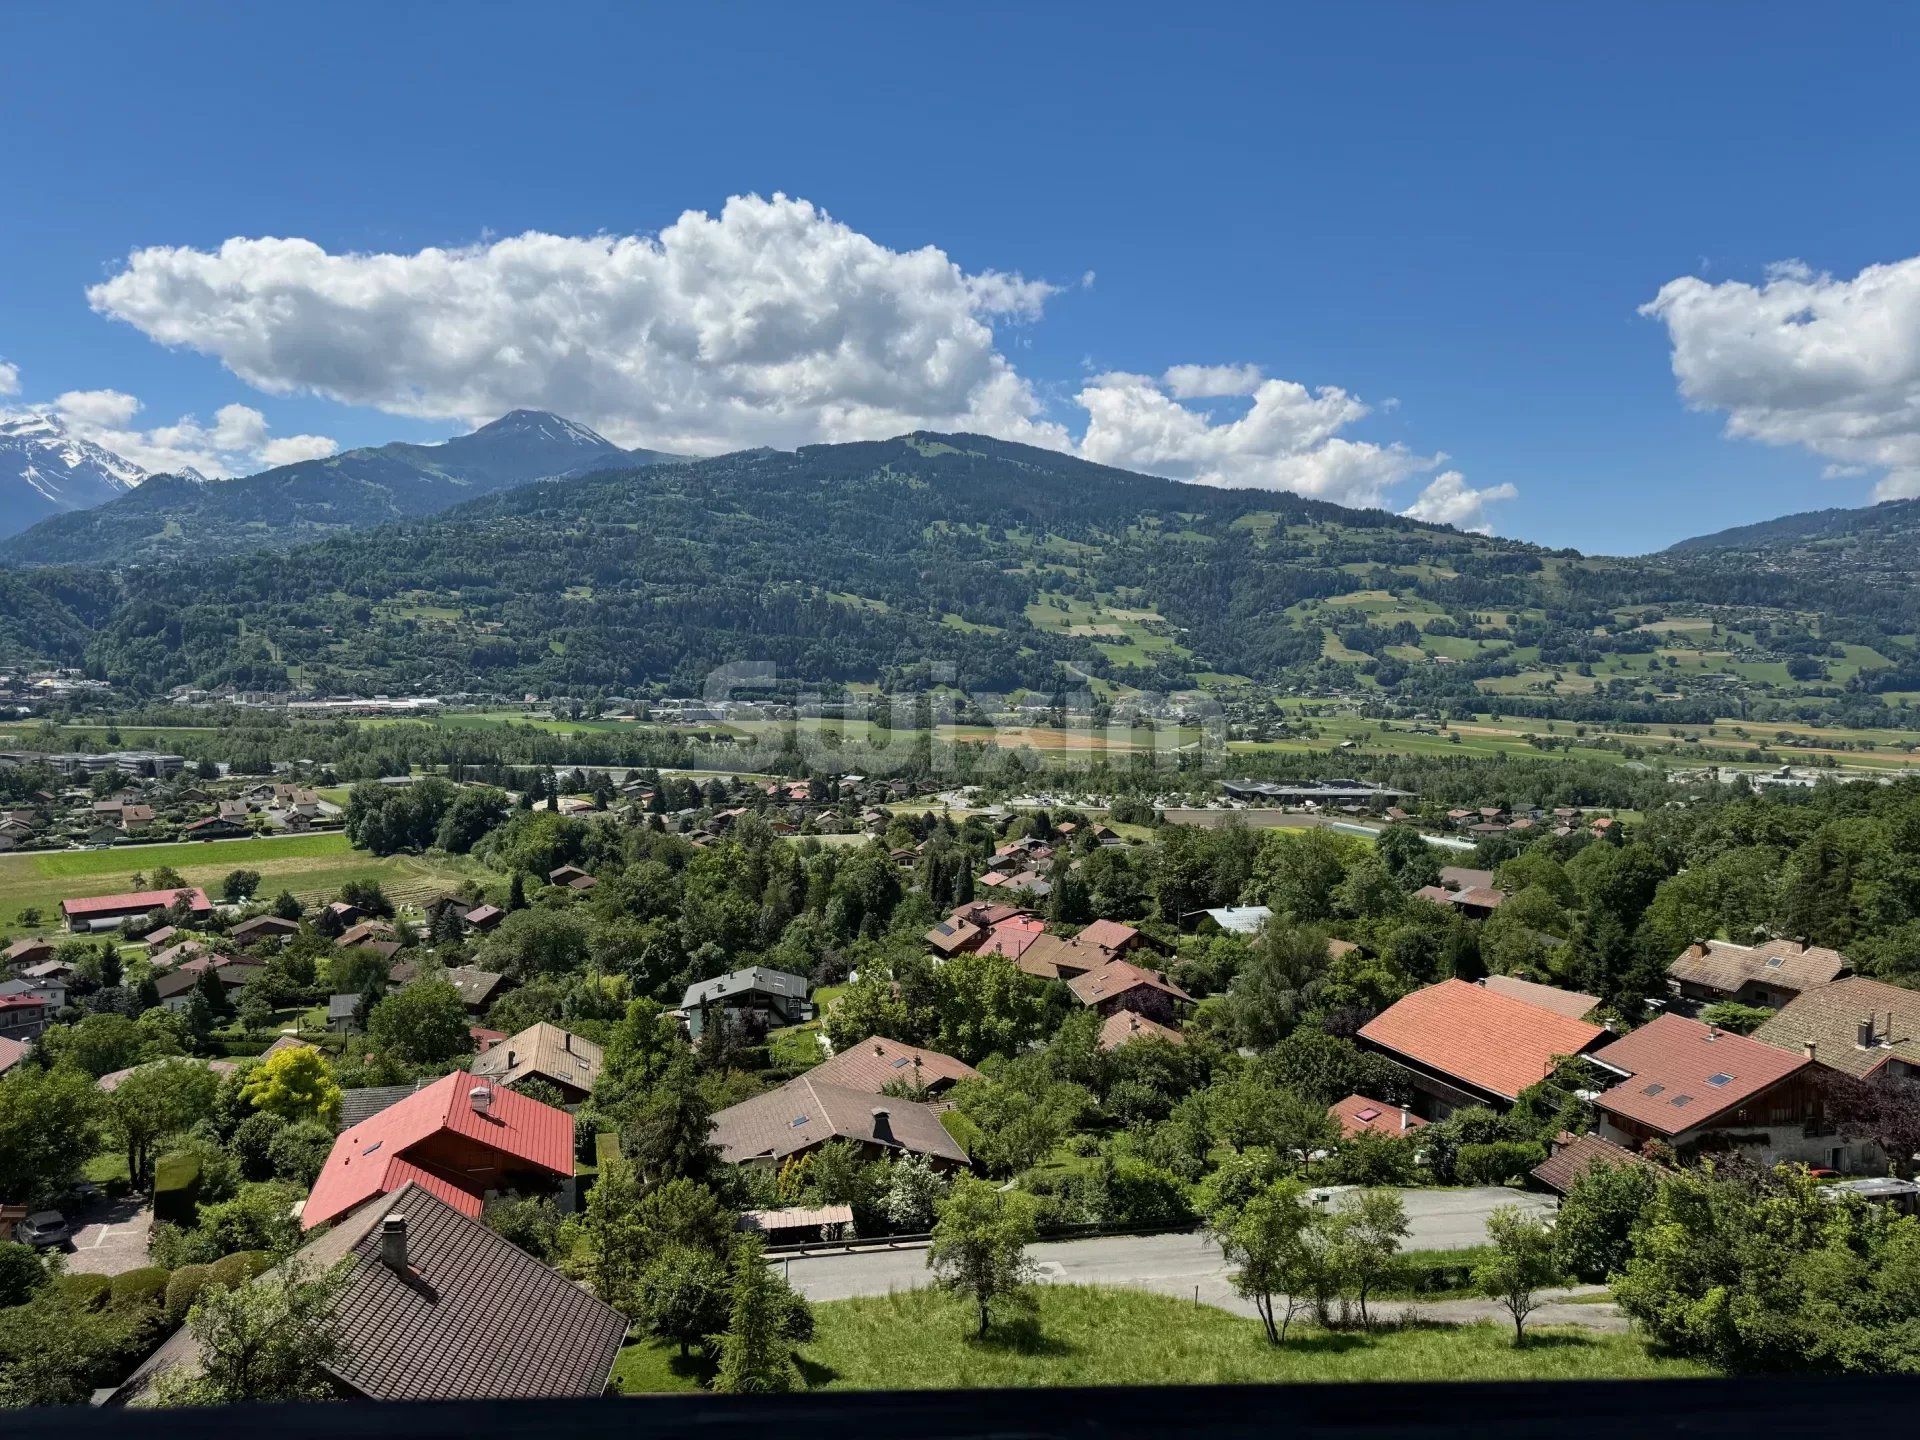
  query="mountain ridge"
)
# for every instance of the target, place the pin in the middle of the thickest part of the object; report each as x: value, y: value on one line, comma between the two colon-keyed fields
x: 47, y: 470
x: 289, y: 505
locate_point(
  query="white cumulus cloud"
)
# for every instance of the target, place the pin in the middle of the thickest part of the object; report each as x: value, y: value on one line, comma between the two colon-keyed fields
x: 1830, y: 365
x: 236, y: 443
x: 9, y: 378
x: 1288, y: 438
x: 770, y: 323
x: 1449, y: 500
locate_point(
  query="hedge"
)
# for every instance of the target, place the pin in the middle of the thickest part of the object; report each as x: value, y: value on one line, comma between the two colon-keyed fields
x: 176, y: 1179
x: 185, y: 1286
x: 145, y: 1286
x: 89, y: 1291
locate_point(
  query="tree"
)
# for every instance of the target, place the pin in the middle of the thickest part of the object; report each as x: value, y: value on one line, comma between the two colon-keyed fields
x: 1521, y: 1264
x: 1277, y: 983
x: 670, y: 1134
x: 297, y: 1084
x: 1266, y: 1239
x: 618, y: 1240
x: 1593, y: 1233
x: 155, y: 1101
x: 914, y: 1192
x: 255, y: 1013
x: 683, y: 1295
x: 272, y: 1339
x: 1885, y: 1110
x: 286, y: 906
x: 239, y: 886
x: 980, y: 1242
x: 424, y: 1023
x: 1366, y: 1230
x: 764, y: 1322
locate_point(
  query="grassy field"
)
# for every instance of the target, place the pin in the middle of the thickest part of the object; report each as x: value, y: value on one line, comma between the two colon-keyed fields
x: 1087, y: 1335
x: 313, y: 867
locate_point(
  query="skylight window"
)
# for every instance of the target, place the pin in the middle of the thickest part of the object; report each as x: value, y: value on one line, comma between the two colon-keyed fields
x: 1680, y: 1100
x: 1369, y: 1114
x: 1653, y: 1089
x: 1775, y: 962
x: 798, y: 1121
x: 901, y: 1061
x: 1719, y: 1079
x: 373, y: 1147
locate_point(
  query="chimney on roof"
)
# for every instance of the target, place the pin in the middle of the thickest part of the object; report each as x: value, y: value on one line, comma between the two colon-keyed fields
x: 1406, y: 1118
x: 393, y: 1243
x: 883, y: 1124
x: 1812, y: 1048
x: 481, y: 1098
x: 1713, y: 1032
x: 509, y: 1057
x: 1863, y: 1033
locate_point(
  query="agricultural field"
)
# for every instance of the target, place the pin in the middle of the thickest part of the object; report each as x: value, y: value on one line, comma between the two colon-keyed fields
x: 313, y: 867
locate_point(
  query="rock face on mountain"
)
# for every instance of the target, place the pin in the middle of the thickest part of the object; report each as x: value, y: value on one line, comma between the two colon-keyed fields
x: 173, y: 517
x: 45, y: 470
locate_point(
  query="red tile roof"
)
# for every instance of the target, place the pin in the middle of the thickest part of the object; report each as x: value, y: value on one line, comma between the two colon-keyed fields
x: 1489, y: 1041
x: 1574, y: 1155
x: 1012, y: 937
x: 135, y: 900
x: 1357, y: 1113
x: 361, y: 1163
x: 1686, y: 1073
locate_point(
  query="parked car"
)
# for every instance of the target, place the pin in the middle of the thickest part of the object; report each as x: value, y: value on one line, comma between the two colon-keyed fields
x: 44, y: 1230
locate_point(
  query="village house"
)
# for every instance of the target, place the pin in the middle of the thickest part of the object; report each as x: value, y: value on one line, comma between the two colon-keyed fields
x: 760, y: 996
x: 261, y: 928
x: 1123, y: 1027
x: 1570, y: 1003
x: 1700, y: 1088
x: 1123, y: 985
x: 1571, y: 1156
x: 572, y: 877
x: 543, y: 1052
x: 476, y: 988
x: 1052, y: 957
x: 461, y: 1138
x: 22, y: 1016
x: 806, y: 1113
x: 1768, y: 975
x: 1357, y: 1114
x: 27, y: 952
x: 435, y: 1305
x: 1853, y: 1026
x: 1464, y: 1045
x: 875, y: 1064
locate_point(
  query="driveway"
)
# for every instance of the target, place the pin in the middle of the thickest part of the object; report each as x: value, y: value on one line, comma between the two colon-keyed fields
x: 1187, y: 1265
x: 112, y: 1237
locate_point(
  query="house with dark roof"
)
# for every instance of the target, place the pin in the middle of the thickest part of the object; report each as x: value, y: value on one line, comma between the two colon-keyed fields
x: 1768, y: 975
x: 1572, y: 1156
x: 876, y: 1063
x: 477, y: 988
x: 1464, y: 1045
x: 562, y: 1059
x: 1854, y: 1026
x: 757, y: 995
x: 805, y: 1113
x: 1699, y: 1089
x: 263, y: 927
x: 436, y: 1306
x: 28, y: 952
x: 461, y: 1139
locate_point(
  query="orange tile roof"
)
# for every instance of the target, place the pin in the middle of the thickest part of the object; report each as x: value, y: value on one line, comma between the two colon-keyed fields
x: 1110, y: 933
x: 1686, y: 1073
x: 1357, y: 1113
x: 1491, y: 1042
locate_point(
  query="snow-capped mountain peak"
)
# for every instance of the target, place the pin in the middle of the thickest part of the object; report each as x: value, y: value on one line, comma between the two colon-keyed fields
x: 46, y: 469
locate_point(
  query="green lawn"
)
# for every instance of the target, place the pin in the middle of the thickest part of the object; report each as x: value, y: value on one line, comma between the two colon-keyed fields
x: 313, y: 867
x: 1088, y: 1335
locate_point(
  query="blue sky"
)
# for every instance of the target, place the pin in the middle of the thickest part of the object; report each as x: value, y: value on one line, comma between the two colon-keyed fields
x: 1453, y: 214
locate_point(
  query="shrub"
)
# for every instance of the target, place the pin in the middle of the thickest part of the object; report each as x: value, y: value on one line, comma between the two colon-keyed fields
x: 183, y: 1288
x: 89, y: 1292
x: 239, y: 1267
x: 1497, y: 1162
x: 145, y: 1286
x: 1141, y: 1194
x: 299, y: 1152
x: 253, y: 1144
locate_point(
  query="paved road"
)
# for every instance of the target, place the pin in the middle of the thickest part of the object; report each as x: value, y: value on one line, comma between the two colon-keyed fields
x: 1170, y: 1264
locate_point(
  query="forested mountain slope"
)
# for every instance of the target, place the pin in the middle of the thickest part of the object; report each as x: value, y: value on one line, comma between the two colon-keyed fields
x: 170, y: 516
x: 1011, y: 565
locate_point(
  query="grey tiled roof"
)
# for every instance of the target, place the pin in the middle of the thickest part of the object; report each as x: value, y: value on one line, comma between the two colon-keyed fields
x: 743, y: 982
x: 358, y: 1105
x: 805, y: 1112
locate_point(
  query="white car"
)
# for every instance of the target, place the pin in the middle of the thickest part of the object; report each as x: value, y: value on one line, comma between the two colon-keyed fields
x: 45, y: 1230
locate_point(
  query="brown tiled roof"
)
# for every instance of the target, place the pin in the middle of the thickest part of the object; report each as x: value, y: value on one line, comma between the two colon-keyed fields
x: 1117, y: 977
x: 1459, y: 877
x: 953, y: 934
x: 1780, y: 964
x: 1108, y: 933
x: 1831, y: 1016
x: 1050, y: 957
x: 1483, y: 897
x: 474, y: 1318
x: 803, y: 1113
x: 1570, y: 1003
x: 543, y: 1050
x: 1490, y: 1041
x: 1684, y: 1073
x: 1357, y: 1113
x: 1573, y: 1156
x: 1123, y: 1026
x: 875, y: 1063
